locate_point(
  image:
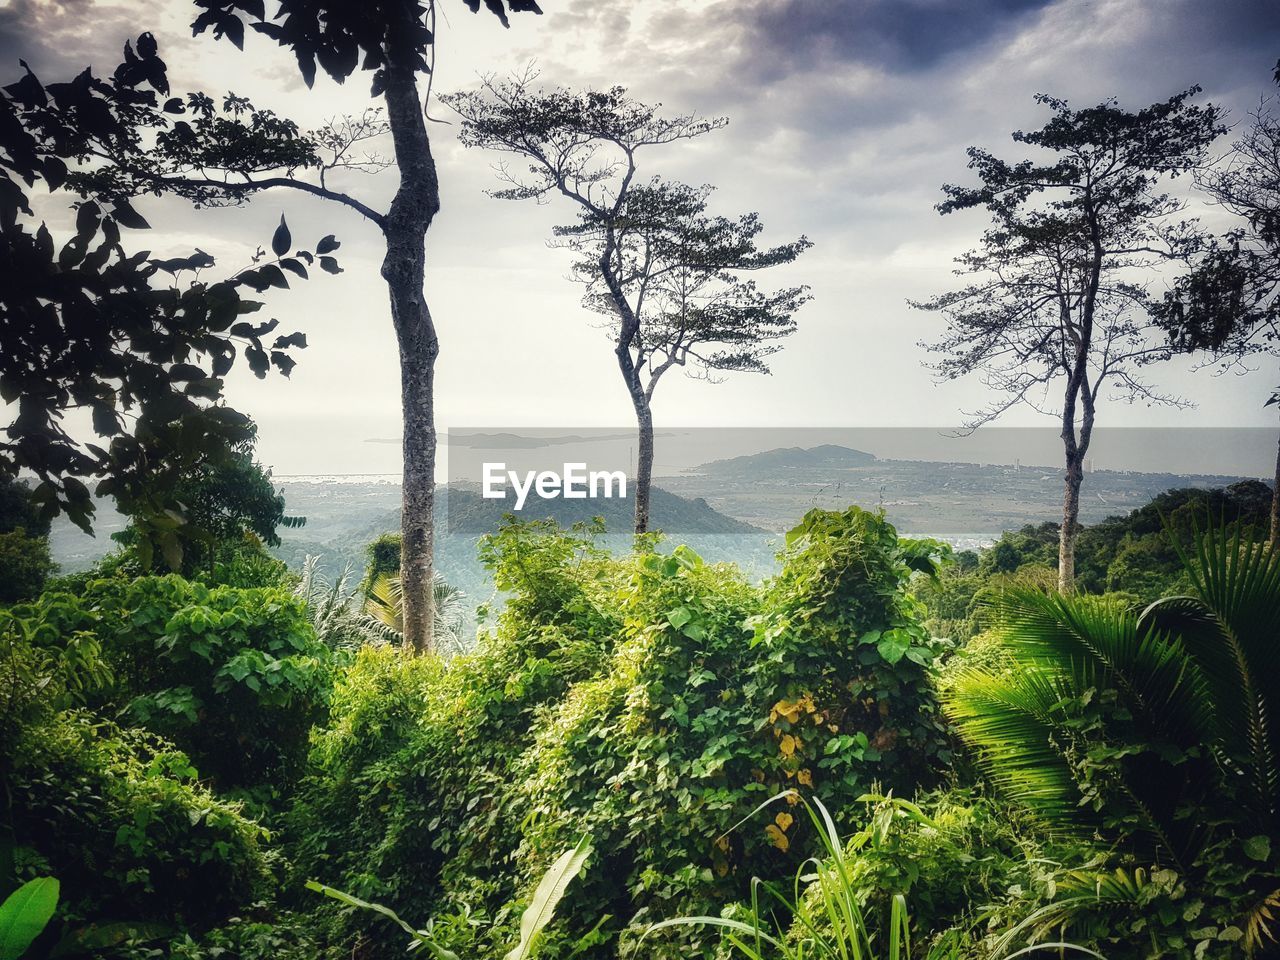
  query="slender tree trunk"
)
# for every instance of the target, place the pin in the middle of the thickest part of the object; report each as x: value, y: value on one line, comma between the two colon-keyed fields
x: 415, y: 205
x: 1275, y: 502
x: 644, y: 458
x: 1075, y: 444
x: 1070, y: 522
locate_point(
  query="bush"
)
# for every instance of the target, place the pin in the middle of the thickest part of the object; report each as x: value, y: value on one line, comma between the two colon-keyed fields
x: 649, y: 700
x: 25, y: 565
x: 1145, y: 736
x: 235, y: 677
x: 115, y: 814
x: 118, y: 817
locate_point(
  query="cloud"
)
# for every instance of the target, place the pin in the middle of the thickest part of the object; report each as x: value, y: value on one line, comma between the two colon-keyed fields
x: 59, y: 37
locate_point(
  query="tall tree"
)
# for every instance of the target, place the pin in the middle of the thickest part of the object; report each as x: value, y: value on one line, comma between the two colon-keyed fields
x: 1228, y: 304
x: 1059, y: 294
x: 124, y: 338
x: 666, y: 272
x: 229, y: 155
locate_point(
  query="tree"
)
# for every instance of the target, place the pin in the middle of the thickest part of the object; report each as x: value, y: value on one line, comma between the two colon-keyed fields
x: 1228, y: 304
x: 25, y: 563
x: 666, y: 272
x: 225, y: 507
x: 120, y: 337
x: 18, y: 511
x: 1059, y: 294
x: 394, y: 41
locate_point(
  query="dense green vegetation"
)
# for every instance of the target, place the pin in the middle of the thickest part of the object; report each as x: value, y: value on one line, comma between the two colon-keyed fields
x: 1061, y: 745
x: 1001, y: 765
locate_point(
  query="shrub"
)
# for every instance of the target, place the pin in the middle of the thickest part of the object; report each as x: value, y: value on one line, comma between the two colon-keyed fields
x: 118, y: 817
x: 234, y: 677
x: 25, y: 565
x: 115, y: 814
x: 650, y: 700
x: 1149, y: 733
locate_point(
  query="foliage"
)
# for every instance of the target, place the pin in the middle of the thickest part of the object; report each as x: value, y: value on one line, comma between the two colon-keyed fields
x: 1227, y: 304
x: 229, y: 508
x: 382, y: 559
x: 1148, y: 731
x: 17, y: 511
x: 116, y: 814
x: 336, y: 612
x: 385, y: 606
x: 649, y: 700
x: 24, y: 915
x: 91, y: 326
x: 25, y: 565
x: 824, y: 914
x: 1135, y: 555
x: 235, y: 677
x: 536, y: 916
x: 342, y: 39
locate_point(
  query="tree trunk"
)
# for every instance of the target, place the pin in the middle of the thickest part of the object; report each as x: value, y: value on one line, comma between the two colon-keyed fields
x: 415, y: 205
x: 1070, y: 522
x: 644, y: 458
x: 1275, y: 503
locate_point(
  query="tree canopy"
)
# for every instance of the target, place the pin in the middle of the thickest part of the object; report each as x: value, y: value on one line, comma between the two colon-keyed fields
x: 137, y: 344
x: 1060, y: 294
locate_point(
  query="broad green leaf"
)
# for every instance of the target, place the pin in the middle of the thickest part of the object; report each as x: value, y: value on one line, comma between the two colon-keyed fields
x: 546, y: 896
x: 24, y: 915
x: 893, y: 645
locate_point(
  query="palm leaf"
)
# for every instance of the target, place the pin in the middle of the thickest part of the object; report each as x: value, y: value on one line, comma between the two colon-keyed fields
x: 1230, y: 629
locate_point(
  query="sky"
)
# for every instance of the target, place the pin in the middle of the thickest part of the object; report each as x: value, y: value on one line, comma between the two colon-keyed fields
x: 845, y: 118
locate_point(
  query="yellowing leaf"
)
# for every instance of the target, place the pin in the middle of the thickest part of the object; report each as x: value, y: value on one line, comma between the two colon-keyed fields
x: 778, y: 837
x: 805, y: 777
x: 788, y: 745
x: 787, y: 710
x: 784, y: 820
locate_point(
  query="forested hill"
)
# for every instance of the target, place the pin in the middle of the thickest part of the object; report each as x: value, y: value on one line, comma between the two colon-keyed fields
x: 468, y: 512
x: 785, y: 459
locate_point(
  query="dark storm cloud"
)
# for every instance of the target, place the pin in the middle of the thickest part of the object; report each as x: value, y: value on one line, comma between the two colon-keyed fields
x: 788, y: 36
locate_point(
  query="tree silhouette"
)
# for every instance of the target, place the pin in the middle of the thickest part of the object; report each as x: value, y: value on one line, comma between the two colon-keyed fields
x: 140, y: 345
x: 1228, y: 305
x: 666, y: 272
x: 1060, y: 294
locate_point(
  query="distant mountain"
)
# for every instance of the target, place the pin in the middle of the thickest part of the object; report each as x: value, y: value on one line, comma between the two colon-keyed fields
x: 826, y: 456
x: 469, y: 513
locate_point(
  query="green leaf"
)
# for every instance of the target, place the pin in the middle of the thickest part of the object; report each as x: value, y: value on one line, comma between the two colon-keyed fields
x: 545, y: 898
x: 679, y: 617
x: 351, y: 901
x: 25, y: 914
x: 893, y: 645
x: 1258, y: 848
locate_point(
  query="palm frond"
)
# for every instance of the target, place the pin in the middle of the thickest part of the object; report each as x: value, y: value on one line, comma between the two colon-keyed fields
x: 1230, y: 629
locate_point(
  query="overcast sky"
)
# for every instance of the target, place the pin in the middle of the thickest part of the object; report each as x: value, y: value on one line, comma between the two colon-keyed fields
x: 845, y: 118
